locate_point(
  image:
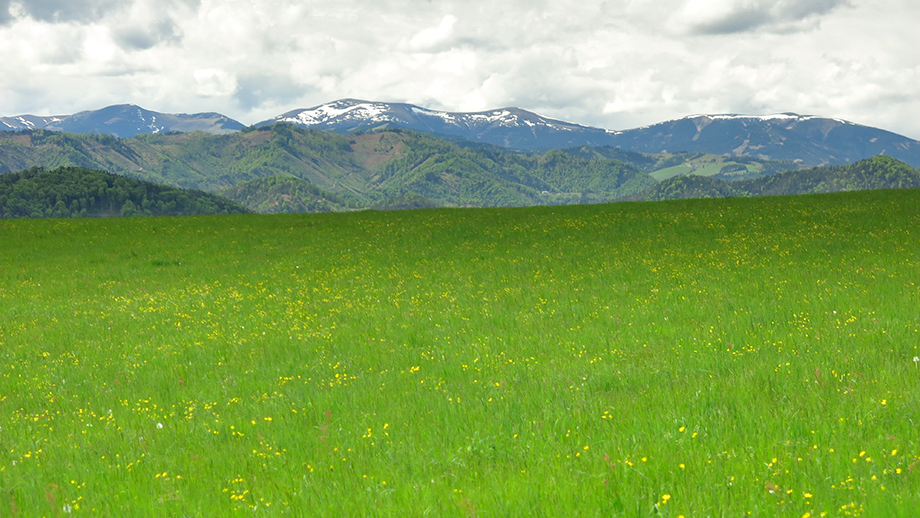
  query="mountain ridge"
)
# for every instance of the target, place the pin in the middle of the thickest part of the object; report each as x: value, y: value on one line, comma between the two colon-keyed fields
x: 124, y: 121
x: 807, y: 140
x: 351, y: 115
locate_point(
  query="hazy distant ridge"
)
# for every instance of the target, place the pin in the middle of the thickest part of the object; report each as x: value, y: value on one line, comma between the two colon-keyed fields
x: 125, y: 121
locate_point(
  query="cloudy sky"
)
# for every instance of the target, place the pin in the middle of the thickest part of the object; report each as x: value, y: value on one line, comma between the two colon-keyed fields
x: 616, y: 64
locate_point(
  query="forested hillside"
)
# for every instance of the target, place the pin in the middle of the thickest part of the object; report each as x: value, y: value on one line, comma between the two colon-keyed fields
x: 362, y: 169
x: 283, y: 168
x: 881, y: 172
x: 194, y: 160
x: 78, y: 192
x: 285, y: 194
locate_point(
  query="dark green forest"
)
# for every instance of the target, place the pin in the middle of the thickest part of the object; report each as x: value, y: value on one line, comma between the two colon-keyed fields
x: 72, y: 192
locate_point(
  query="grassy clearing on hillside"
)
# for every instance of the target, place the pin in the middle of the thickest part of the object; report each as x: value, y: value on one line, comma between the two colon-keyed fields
x: 742, y: 357
x: 699, y: 169
x: 671, y: 172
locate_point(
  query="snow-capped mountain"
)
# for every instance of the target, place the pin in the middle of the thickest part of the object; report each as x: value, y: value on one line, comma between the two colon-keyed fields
x: 808, y: 140
x: 509, y: 127
x: 124, y: 120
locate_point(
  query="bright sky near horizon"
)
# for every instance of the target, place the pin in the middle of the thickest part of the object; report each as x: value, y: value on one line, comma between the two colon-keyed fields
x: 615, y: 64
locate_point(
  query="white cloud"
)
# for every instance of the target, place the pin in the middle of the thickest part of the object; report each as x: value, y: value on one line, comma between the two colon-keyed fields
x: 431, y: 38
x: 147, y: 23
x: 98, y: 45
x: 614, y: 63
x: 213, y: 82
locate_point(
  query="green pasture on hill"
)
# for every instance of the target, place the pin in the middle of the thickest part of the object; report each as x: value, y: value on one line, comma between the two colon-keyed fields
x: 733, y: 357
x: 703, y: 169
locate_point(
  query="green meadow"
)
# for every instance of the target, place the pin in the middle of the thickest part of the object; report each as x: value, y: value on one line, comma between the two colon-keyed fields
x: 731, y: 357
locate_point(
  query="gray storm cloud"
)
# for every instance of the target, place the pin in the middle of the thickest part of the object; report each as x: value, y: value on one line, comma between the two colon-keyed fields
x: 146, y: 32
x: 735, y: 16
x: 5, y: 16
x: 65, y: 10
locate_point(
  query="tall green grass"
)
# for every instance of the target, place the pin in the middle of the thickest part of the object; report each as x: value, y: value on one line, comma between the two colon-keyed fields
x: 742, y: 357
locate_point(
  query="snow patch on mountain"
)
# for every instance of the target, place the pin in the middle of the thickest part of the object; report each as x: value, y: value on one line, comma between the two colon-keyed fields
x: 768, y: 117
x: 733, y: 116
x: 841, y: 121
x: 340, y: 109
x: 446, y: 117
x: 494, y: 116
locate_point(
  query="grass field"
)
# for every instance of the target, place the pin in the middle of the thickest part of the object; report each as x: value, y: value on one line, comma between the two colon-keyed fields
x: 739, y: 357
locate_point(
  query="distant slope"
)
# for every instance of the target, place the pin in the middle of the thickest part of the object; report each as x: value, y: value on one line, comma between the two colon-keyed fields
x: 806, y: 140
x: 802, y: 139
x: 666, y: 165
x: 77, y: 192
x: 881, y: 172
x: 285, y: 194
x: 190, y: 160
x: 446, y: 173
x: 124, y: 120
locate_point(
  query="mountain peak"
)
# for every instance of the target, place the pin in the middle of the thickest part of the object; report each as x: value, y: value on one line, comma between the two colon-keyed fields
x: 510, y: 126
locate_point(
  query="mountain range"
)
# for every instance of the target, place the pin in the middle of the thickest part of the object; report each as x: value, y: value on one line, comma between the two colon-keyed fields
x: 285, y: 168
x: 804, y: 140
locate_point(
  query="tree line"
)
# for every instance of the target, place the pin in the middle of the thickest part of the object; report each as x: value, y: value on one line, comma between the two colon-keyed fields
x: 77, y: 192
